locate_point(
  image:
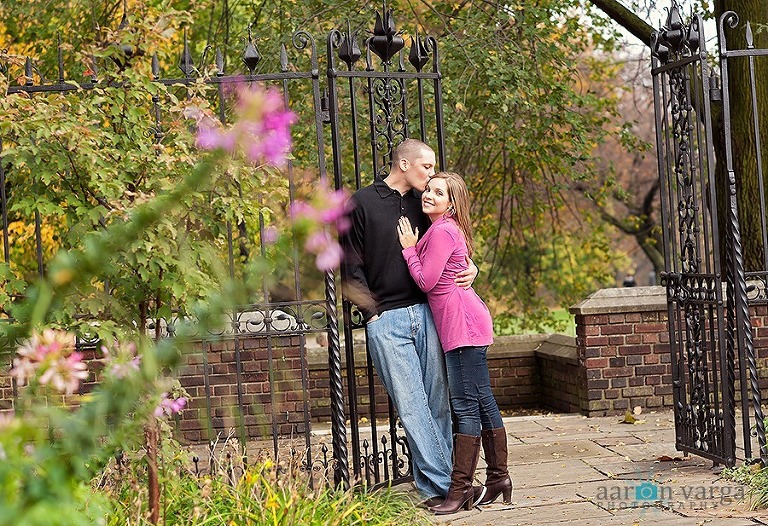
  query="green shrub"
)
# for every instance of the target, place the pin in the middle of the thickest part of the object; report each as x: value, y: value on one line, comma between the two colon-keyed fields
x: 265, y: 493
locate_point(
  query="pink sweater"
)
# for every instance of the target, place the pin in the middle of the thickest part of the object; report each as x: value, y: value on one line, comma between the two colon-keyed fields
x: 461, y: 317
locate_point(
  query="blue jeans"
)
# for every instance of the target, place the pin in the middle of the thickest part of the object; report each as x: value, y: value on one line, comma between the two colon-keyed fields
x: 406, y: 352
x: 470, y: 387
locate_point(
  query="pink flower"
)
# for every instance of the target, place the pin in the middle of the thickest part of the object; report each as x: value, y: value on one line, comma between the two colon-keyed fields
x: 317, y: 242
x: 169, y: 406
x: 330, y: 257
x: 212, y: 137
x: 336, y: 207
x: 270, y: 235
x: 301, y: 209
x: 50, y: 357
x: 261, y: 132
x: 327, y: 250
x: 326, y: 214
x: 65, y: 373
x: 121, y: 360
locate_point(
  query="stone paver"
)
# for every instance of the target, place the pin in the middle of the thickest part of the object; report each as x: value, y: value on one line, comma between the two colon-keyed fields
x: 598, y: 471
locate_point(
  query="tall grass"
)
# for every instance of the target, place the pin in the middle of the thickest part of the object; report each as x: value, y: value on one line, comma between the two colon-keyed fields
x: 265, y: 493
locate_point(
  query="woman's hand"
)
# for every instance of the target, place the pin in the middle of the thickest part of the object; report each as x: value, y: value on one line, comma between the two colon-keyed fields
x: 408, y: 236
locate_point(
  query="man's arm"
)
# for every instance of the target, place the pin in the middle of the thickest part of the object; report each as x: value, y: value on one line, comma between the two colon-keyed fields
x: 356, y: 287
x: 465, y: 278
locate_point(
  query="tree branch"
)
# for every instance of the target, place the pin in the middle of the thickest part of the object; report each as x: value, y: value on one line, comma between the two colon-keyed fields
x: 635, y: 25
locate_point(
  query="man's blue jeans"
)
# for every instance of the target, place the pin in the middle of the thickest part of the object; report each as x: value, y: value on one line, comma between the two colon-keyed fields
x: 406, y: 352
x: 470, y: 386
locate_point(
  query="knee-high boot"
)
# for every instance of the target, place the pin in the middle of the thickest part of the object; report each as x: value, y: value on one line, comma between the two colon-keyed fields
x: 461, y: 494
x: 497, y: 480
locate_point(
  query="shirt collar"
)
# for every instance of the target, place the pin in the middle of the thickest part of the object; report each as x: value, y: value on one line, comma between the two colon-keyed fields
x: 384, y: 190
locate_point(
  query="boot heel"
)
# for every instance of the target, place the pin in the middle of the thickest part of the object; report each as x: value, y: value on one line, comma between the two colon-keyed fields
x: 507, y: 495
x: 469, y: 504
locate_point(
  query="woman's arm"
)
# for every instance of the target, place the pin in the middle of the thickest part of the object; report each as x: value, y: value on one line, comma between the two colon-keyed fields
x: 427, y: 266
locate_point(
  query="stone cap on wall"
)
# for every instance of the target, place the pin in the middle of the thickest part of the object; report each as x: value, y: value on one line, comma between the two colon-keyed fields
x: 554, y: 346
x: 623, y: 300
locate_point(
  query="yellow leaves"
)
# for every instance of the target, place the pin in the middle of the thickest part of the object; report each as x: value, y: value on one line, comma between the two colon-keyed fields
x: 630, y: 417
x: 62, y: 276
x: 22, y: 239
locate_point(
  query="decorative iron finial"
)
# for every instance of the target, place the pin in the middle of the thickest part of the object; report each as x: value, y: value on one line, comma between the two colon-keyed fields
x: 674, y: 33
x: 349, y: 50
x: 693, y: 39
x: 251, y: 55
x: 283, y: 58
x: 59, y: 57
x: 124, y: 20
x: 186, y: 65
x: 386, y: 40
x: 94, y: 70
x: 219, y: 63
x: 155, y: 66
x: 418, y: 55
x: 658, y: 49
x: 28, y: 71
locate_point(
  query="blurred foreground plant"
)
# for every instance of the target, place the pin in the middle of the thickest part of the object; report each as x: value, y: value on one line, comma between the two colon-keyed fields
x: 58, y: 440
x: 266, y: 493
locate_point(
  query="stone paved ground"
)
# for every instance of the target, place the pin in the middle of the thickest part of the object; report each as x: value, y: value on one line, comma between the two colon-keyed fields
x: 569, y: 468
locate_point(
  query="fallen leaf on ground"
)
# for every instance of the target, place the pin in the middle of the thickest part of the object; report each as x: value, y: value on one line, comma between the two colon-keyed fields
x: 667, y: 458
x: 629, y: 418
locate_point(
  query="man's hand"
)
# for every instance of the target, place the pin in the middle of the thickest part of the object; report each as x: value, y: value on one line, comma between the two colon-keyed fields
x: 373, y: 318
x: 465, y: 278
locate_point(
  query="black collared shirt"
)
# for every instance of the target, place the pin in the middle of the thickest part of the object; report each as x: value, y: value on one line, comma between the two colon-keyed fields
x: 376, y: 275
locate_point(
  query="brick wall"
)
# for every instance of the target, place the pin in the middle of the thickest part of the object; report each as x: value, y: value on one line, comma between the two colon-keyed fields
x: 562, y: 382
x: 618, y: 360
x: 209, y: 374
x: 623, y: 350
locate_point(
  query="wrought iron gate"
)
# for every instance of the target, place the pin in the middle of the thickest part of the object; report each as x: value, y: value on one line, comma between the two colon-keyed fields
x: 364, y: 112
x: 709, y: 294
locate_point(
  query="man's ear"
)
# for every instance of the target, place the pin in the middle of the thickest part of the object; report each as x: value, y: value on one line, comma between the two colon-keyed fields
x: 404, y: 163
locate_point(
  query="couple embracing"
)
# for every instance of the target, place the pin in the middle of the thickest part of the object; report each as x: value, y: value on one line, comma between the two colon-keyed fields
x: 408, y: 269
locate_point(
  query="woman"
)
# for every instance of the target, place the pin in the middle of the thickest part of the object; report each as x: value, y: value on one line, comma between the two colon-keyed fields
x: 465, y: 328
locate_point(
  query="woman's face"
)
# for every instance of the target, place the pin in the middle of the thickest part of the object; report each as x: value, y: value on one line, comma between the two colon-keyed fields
x: 435, y: 200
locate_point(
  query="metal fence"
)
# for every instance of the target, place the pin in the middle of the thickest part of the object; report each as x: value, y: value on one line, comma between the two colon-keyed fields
x: 711, y: 298
x: 373, y: 94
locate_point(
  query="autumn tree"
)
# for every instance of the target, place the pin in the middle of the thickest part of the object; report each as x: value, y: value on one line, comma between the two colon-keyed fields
x: 743, y: 134
x: 522, y: 122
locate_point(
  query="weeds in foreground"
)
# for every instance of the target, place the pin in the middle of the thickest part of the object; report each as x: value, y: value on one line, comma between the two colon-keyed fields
x: 756, y: 478
x: 264, y: 493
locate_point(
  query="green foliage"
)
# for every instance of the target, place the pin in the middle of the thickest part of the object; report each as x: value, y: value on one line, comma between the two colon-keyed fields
x: 87, y: 160
x: 264, y: 493
x: 523, y: 123
x: 756, y: 478
x: 49, y: 453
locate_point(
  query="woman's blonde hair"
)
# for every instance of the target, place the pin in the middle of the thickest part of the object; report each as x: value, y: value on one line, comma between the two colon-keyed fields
x: 458, y: 204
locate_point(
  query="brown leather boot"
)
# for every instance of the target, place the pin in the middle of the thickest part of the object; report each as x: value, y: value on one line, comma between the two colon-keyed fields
x: 461, y: 494
x: 497, y: 480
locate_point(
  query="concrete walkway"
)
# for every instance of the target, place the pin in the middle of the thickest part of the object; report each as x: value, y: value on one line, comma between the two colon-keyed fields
x: 569, y: 468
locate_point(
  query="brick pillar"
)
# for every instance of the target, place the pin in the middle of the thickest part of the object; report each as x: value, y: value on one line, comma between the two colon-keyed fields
x: 622, y: 344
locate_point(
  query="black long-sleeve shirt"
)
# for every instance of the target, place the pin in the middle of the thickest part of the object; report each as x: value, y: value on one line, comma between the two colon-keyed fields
x: 377, y: 277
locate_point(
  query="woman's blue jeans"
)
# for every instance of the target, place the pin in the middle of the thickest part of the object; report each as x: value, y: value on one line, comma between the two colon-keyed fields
x: 470, y: 387
x: 405, y: 349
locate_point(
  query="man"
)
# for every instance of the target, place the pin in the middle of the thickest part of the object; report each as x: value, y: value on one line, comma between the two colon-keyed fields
x: 401, y: 335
